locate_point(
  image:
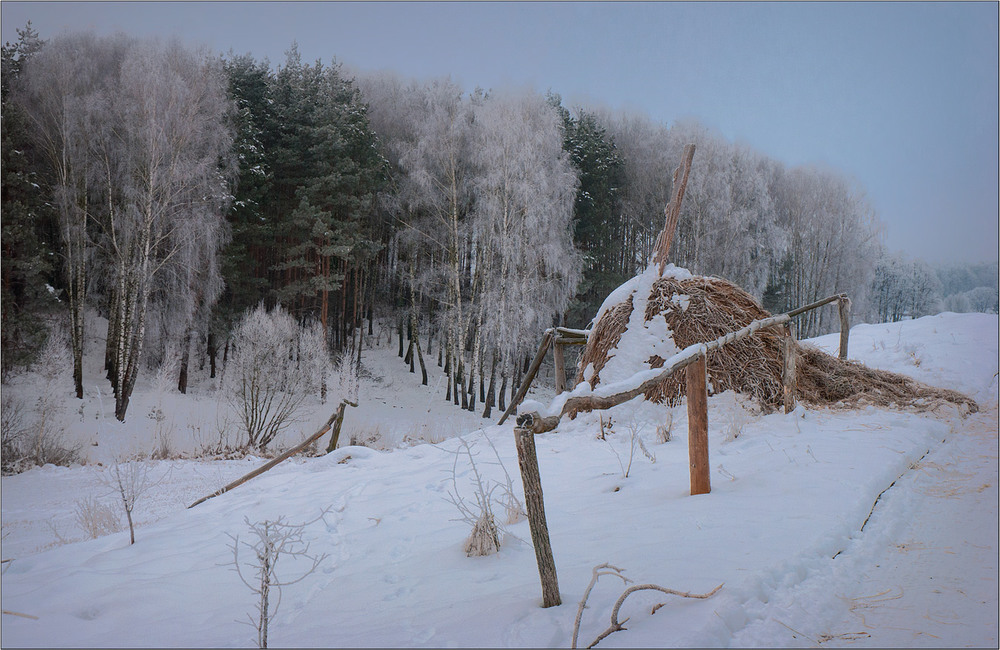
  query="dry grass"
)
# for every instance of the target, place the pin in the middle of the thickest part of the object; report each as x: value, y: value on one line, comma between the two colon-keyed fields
x: 752, y: 366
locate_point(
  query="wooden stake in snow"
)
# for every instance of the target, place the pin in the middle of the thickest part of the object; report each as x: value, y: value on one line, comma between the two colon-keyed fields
x: 527, y: 459
x: 673, y: 209
x: 338, y: 416
x: 788, y: 368
x: 697, y: 409
x: 844, y: 304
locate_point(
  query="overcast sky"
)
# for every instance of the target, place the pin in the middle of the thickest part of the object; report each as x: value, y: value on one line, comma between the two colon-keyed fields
x: 901, y: 97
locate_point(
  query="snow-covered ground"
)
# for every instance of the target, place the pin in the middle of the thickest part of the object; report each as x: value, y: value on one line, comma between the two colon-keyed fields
x: 802, y: 528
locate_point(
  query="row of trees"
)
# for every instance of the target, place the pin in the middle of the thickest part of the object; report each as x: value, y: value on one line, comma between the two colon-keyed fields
x: 175, y: 191
x: 130, y: 142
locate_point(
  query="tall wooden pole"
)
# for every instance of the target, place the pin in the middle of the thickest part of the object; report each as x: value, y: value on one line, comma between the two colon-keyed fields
x: 527, y: 459
x: 673, y: 210
x: 697, y: 409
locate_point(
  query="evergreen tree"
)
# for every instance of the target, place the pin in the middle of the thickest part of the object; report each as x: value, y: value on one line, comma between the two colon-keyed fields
x: 598, y: 230
x: 247, y: 260
x: 29, y: 230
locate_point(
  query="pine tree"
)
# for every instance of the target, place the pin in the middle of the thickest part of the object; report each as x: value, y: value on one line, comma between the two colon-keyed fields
x: 597, y: 220
x: 29, y: 225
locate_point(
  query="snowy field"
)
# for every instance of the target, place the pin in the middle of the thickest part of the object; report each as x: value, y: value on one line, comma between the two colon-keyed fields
x: 837, y: 528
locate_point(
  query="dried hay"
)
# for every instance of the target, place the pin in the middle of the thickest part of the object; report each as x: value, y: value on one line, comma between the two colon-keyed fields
x: 607, y: 332
x: 700, y: 309
x: 825, y: 380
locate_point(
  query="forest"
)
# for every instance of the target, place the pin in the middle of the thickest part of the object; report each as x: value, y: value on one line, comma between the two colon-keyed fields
x: 202, y: 205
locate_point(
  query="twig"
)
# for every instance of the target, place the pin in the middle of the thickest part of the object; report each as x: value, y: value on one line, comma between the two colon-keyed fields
x: 7, y: 611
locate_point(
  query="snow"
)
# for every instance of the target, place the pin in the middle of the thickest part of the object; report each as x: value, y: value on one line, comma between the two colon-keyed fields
x: 873, y: 527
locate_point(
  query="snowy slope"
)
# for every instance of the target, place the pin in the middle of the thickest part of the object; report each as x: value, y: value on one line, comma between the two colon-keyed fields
x: 782, y: 529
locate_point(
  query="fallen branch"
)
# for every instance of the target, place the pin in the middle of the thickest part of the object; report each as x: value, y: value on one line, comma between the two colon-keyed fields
x: 617, y: 625
x: 614, y: 571
x: 7, y: 611
x: 338, y: 416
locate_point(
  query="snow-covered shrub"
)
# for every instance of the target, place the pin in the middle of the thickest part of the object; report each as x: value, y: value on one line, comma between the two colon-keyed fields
x: 30, y: 436
x: 274, y: 365
x: 13, y: 434
x: 485, y: 536
x: 96, y: 518
x: 664, y: 432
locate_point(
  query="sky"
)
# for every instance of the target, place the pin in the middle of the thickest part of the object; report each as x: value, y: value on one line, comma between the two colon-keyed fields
x: 900, y: 97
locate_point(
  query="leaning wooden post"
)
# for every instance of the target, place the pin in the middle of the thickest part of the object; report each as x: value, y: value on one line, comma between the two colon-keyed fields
x: 338, y: 416
x: 527, y: 459
x: 672, y: 212
x: 788, y: 367
x: 559, y: 361
x: 532, y: 371
x: 337, y: 423
x: 697, y: 409
x: 844, y: 303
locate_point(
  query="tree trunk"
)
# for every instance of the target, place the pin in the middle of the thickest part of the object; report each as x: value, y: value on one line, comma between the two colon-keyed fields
x: 491, y: 393
x: 212, y: 351
x: 182, y: 380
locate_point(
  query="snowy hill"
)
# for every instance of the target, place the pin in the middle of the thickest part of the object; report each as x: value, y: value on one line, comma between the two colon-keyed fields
x: 871, y: 527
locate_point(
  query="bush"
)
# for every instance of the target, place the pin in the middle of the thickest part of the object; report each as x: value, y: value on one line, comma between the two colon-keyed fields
x: 96, y: 518
x: 274, y: 365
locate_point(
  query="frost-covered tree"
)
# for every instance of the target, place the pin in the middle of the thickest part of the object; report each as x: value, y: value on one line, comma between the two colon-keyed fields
x: 526, y: 266
x: 160, y: 153
x: 434, y: 196
x: 136, y: 142
x: 649, y: 157
x: 728, y: 225
x: 273, y: 367
x: 63, y: 93
x: 833, y: 243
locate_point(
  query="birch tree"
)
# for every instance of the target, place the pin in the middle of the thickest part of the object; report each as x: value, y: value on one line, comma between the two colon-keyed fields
x: 61, y: 95
x: 160, y: 153
x: 525, y: 260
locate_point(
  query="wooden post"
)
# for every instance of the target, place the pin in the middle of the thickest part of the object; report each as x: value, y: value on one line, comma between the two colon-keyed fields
x: 532, y: 370
x: 788, y: 368
x: 335, y: 436
x: 844, y: 303
x: 527, y: 459
x: 559, y: 361
x: 697, y: 409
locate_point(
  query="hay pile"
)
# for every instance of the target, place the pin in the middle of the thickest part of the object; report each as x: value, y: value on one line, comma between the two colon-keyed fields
x: 698, y: 309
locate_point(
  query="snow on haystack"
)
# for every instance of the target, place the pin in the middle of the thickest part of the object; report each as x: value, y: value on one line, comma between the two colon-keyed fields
x: 651, y: 317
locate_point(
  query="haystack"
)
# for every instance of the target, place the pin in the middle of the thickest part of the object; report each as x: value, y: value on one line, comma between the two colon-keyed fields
x: 650, y: 317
